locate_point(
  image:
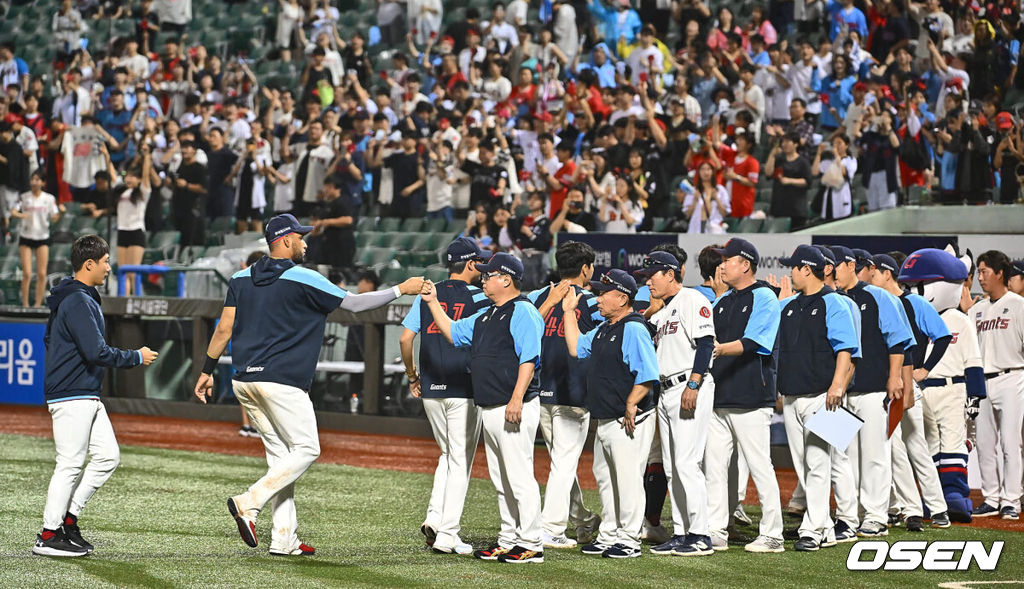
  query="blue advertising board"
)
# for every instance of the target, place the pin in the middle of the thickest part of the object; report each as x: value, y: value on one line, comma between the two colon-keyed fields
x: 22, y: 355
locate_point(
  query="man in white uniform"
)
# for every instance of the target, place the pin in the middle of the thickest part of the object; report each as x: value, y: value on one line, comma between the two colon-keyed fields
x: 685, y: 341
x: 1000, y: 323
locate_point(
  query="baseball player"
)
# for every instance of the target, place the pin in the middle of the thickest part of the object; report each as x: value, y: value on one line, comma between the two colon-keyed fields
x: 444, y: 383
x: 1016, y: 282
x: 274, y: 315
x: 505, y: 348
x: 76, y: 358
x: 958, y: 380
x: 685, y: 341
x: 746, y: 324
x: 564, y: 420
x: 844, y: 480
x: 619, y: 378
x: 864, y: 265
x: 999, y: 320
x: 885, y: 336
x: 655, y: 481
x: 817, y: 341
x: 910, y: 455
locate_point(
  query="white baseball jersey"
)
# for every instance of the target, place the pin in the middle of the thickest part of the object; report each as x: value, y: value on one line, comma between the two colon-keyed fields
x: 1000, y: 327
x: 686, y: 318
x: 963, y: 351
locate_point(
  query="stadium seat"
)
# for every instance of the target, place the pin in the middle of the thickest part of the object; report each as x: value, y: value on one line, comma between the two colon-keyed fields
x: 777, y: 225
x: 747, y: 225
x: 389, y: 224
x: 412, y: 225
x: 426, y: 258
x: 164, y: 239
x: 396, y: 240
x: 373, y: 256
x: 365, y: 224
x: 221, y: 225
x: 436, y: 225
x: 365, y: 238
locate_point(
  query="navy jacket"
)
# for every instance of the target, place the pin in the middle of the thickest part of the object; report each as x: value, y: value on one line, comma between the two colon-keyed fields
x: 280, y: 313
x: 750, y: 315
x: 500, y: 340
x: 621, y: 355
x: 562, y: 380
x: 812, y: 331
x: 885, y: 330
x: 443, y: 367
x: 76, y: 349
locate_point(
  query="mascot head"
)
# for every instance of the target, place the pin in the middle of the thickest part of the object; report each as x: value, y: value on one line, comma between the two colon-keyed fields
x: 937, y: 275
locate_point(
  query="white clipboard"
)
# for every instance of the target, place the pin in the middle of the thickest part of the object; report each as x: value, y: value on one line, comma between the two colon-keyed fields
x: 835, y: 427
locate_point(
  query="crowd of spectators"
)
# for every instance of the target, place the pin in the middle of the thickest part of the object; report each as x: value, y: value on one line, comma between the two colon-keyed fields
x: 524, y: 119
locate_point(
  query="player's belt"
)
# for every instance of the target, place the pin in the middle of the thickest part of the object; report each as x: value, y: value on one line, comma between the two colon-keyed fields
x: 676, y: 379
x: 941, y: 382
x: 1002, y: 372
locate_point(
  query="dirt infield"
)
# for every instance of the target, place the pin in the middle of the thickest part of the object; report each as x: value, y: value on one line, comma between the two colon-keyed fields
x: 355, y: 449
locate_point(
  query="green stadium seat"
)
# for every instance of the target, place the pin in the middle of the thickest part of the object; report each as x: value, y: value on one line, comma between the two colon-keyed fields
x: 412, y: 225
x: 389, y: 224
x: 191, y: 253
x: 365, y: 238
x: 164, y: 239
x: 436, y: 273
x: 436, y: 225
x: 373, y: 256
x: 426, y: 258
x: 777, y: 225
x: 221, y: 225
x: 747, y: 225
x: 397, y: 240
x: 365, y: 224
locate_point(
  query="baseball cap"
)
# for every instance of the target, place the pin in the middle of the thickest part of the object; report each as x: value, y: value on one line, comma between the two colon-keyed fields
x: 1017, y: 268
x: 282, y: 225
x: 505, y: 263
x: 656, y: 262
x: 830, y: 258
x: 464, y: 249
x: 843, y: 254
x: 616, y: 279
x: 804, y: 255
x: 1004, y: 121
x: 739, y: 247
x: 886, y: 262
x: 863, y: 258
x: 929, y: 264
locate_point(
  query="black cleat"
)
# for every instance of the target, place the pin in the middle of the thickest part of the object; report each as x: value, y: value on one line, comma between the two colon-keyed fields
x: 53, y: 543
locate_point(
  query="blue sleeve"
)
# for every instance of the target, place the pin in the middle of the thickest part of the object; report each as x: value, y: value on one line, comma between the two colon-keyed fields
x: 815, y: 80
x: 324, y: 295
x: 585, y: 343
x: 638, y: 353
x: 22, y: 67
x: 527, y: 330
x: 702, y: 355
x: 643, y: 294
x: 763, y: 325
x: 839, y: 325
x: 534, y: 296
x: 862, y: 24
x: 786, y: 301
x: 87, y: 332
x: 412, y: 320
x: 599, y: 9
x: 893, y: 321
x: 1014, y: 52
x: 462, y: 330
x: 975, y: 379
x: 762, y: 59
x: 634, y: 23
x: 480, y: 300
x: 858, y: 327
x: 846, y: 93
x: 928, y: 319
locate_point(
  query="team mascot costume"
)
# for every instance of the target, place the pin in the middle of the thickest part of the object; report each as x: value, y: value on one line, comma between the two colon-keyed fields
x: 958, y: 381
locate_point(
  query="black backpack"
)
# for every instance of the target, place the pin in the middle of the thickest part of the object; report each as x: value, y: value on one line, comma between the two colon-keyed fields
x: 913, y: 152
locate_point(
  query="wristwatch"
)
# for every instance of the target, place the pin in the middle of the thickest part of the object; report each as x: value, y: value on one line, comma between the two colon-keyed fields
x: 693, y: 385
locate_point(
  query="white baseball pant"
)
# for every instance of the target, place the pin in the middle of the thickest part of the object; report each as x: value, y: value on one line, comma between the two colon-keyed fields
x: 284, y: 417
x: 870, y: 456
x: 999, y: 440
x: 510, y: 462
x: 655, y: 456
x: 747, y: 432
x: 456, y: 427
x: 81, y: 428
x: 684, y: 436
x: 945, y: 426
x: 564, y: 428
x: 620, y: 480
x: 910, y: 458
x: 813, y: 461
x: 842, y: 482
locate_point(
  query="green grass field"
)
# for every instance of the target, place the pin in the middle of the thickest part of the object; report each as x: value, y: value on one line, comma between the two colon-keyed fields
x: 161, y: 522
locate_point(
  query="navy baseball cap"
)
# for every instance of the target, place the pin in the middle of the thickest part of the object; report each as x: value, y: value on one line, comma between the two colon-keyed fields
x: 656, y: 262
x: 618, y: 280
x: 282, y: 225
x: 1017, y: 269
x: 863, y: 258
x: 504, y: 263
x: 843, y: 254
x: 804, y: 255
x: 464, y: 249
x: 830, y: 258
x: 739, y: 247
x: 886, y: 262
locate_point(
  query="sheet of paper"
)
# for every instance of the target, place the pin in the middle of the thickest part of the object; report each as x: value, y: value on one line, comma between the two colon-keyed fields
x: 835, y: 427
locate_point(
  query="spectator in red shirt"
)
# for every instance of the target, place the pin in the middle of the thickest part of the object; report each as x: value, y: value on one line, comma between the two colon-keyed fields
x: 742, y: 177
x: 560, y: 182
